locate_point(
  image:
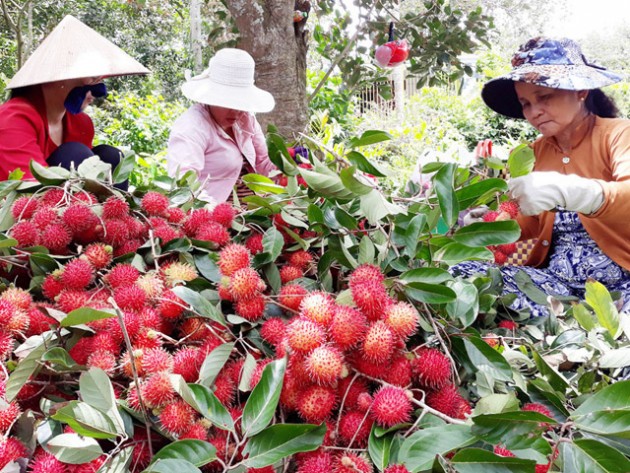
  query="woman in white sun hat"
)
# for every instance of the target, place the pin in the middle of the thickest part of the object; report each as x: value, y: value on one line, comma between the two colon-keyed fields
x: 43, y: 121
x: 218, y: 137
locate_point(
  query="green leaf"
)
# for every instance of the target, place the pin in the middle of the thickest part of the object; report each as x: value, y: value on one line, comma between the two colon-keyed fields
x: 474, y: 460
x: 607, y: 412
x: 261, y: 405
x: 280, y: 441
x: 453, y: 253
x: 60, y: 358
x: 86, y: 420
x: 345, y: 220
x: 94, y: 168
x: 615, y: 358
x: 28, y: 366
x: 119, y: 463
x: 470, y: 195
x: 272, y: 242
x: 124, y: 168
x: 496, y: 404
x: 74, y: 449
x: 366, y: 251
x: 51, y: 176
x: 443, y: 184
x: 207, y: 267
x: 200, y: 304
x: 591, y: 456
x: 521, y: 160
x: 429, y: 293
x: 379, y: 448
x: 352, y: 183
x: 370, y: 137
x: 498, y: 428
x: 195, y: 451
x: 376, y: 207
x: 555, y: 379
x: 583, y: 317
x: 262, y: 184
x: 213, y: 363
x: 203, y: 401
x: 466, y: 307
x: 427, y: 275
x: 479, y: 356
x: 419, y: 450
x: 598, y: 297
x: 327, y: 185
x: 526, y: 285
x: 362, y: 163
x: 488, y: 233
x: 170, y: 465
x: 85, y: 315
x: 97, y: 391
x: 314, y: 214
x: 7, y: 242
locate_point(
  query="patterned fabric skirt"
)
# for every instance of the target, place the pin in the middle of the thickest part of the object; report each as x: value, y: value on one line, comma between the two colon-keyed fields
x: 574, y: 257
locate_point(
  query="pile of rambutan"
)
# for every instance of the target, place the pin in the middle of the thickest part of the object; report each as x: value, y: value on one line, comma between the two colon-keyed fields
x: 507, y: 210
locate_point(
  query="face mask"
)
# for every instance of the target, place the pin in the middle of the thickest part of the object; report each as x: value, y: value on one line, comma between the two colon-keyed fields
x: 74, y: 100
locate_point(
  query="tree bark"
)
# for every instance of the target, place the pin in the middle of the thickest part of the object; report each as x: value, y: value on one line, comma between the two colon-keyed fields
x: 279, y: 47
x: 195, y: 34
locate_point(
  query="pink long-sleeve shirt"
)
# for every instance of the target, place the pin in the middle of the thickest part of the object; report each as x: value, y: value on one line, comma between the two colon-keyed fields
x: 197, y: 143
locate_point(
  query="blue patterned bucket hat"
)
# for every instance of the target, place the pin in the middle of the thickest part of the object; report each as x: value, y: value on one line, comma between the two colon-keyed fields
x: 554, y: 63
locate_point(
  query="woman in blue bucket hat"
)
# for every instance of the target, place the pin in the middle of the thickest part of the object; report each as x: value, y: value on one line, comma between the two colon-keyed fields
x: 576, y: 202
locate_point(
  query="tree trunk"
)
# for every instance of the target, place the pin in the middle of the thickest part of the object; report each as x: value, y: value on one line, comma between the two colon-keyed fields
x: 195, y: 34
x: 279, y: 48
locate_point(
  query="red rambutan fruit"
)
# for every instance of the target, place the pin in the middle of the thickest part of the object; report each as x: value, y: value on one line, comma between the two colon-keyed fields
x: 78, y: 218
x: 44, y: 462
x: 305, y: 335
x: 84, y: 197
x: 224, y: 388
x: 157, y: 390
x: 156, y: 360
x: 402, y: 318
x: 507, y: 249
x: 490, y: 216
x: 511, y: 207
x: 432, y: 369
x: 232, y: 258
x: 53, y: 197
x: 245, y: 283
x: 7, y: 343
x: 24, y: 207
x: 8, y: 415
x: 102, y: 359
x: 223, y: 214
x: 273, y: 331
x: 254, y: 243
x: 132, y: 324
x: 366, y: 273
x: 122, y: 275
x: 251, y: 309
x: 351, y: 463
x: 171, y: 306
x: 318, y: 307
x: 186, y: 362
x: 26, y: 233
x: 300, y: 259
x: 508, y: 325
x: 378, y: 344
x: 291, y: 296
x: 371, y: 298
x: 290, y: 273
x: 499, y: 257
x: 77, y: 274
x: 154, y: 203
x: 399, y: 372
x: 355, y: 425
x: 175, y: 215
x: 396, y: 469
x: 130, y: 297
x: 10, y: 450
x: 52, y: 286
x: 116, y: 232
x: 214, y: 233
x: 20, y: 298
x: 98, y: 255
x: 71, y: 299
x: 325, y: 364
x: 45, y: 216
x: 115, y: 207
x: 177, y: 416
x: 196, y: 431
x: 502, y: 451
x: 537, y: 407
x: 318, y: 463
x: 348, y: 327
x: 448, y: 401
x: 391, y: 406
x: 316, y: 403
x: 195, y: 219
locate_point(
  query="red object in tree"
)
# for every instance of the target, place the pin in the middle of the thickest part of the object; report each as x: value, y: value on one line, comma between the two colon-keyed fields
x: 392, y: 53
x: 483, y: 149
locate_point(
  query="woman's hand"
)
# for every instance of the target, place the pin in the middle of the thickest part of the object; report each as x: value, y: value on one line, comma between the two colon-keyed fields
x: 540, y: 191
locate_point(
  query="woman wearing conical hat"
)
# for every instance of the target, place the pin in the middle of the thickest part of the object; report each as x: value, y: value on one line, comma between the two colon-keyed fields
x: 43, y: 120
x: 576, y: 202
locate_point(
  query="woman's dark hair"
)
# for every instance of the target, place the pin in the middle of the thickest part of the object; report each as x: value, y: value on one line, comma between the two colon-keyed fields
x: 600, y: 104
x: 19, y: 92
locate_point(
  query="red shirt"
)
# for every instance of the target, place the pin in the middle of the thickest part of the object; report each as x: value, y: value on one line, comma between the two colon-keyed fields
x: 24, y: 133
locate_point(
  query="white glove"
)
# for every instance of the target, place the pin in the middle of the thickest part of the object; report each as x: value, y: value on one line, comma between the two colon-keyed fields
x: 475, y: 215
x: 540, y: 191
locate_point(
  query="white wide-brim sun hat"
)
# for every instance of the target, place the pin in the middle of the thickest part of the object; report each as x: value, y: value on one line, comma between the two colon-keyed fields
x: 228, y: 82
x: 73, y: 50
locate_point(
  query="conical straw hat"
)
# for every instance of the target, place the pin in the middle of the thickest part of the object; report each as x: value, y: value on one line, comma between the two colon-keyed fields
x: 73, y: 50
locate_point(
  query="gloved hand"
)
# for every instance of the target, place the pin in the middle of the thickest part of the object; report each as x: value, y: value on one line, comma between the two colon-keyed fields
x: 474, y: 215
x: 540, y: 191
